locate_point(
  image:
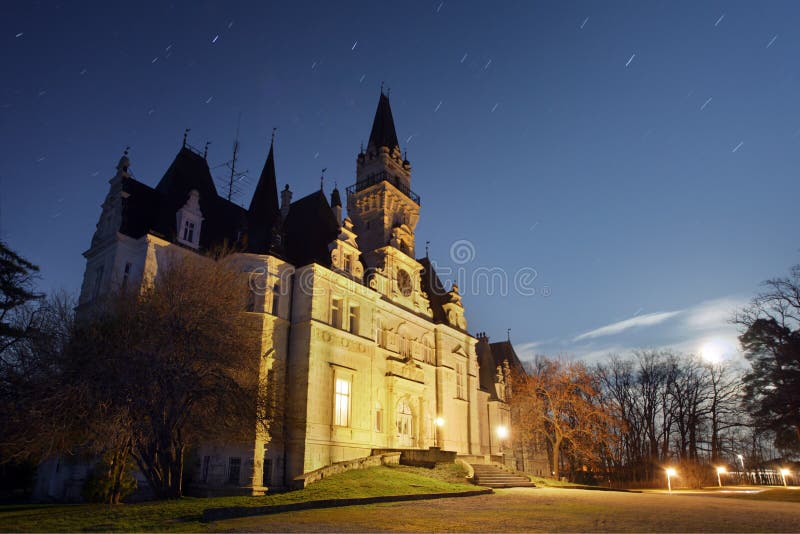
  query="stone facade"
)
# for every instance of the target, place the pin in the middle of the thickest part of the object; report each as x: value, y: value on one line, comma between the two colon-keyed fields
x: 367, y: 349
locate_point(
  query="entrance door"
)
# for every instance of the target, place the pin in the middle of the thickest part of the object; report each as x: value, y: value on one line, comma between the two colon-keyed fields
x: 405, y: 424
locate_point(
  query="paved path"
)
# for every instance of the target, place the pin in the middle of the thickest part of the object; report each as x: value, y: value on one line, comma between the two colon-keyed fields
x: 542, y: 510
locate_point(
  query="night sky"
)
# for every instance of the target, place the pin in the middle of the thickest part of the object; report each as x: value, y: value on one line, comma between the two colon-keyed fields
x: 640, y: 157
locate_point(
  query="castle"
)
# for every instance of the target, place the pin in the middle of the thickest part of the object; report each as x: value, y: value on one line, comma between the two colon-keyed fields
x: 370, y: 351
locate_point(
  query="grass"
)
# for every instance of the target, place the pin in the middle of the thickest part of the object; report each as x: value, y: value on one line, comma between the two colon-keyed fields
x: 772, y: 494
x: 543, y: 482
x: 184, y: 514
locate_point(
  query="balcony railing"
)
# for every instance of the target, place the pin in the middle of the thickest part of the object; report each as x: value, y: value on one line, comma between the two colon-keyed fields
x: 379, y: 177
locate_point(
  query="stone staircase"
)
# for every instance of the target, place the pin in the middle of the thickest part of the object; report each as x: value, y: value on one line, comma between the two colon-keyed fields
x: 494, y: 477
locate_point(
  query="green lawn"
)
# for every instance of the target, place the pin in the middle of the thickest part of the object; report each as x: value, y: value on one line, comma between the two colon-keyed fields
x: 184, y: 514
x: 772, y: 494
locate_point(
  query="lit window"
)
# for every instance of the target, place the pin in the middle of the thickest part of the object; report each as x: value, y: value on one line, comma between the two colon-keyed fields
x: 347, y: 265
x: 342, y: 403
x: 188, y: 231
x: 336, y: 313
x: 354, y: 319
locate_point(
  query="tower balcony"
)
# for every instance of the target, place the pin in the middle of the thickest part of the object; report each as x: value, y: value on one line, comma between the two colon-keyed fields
x: 379, y: 177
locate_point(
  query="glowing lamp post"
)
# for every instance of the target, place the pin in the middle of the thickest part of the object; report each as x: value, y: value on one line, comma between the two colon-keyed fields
x: 784, y: 472
x: 439, y: 422
x: 670, y: 473
x: 720, y: 471
x: 502, y: 434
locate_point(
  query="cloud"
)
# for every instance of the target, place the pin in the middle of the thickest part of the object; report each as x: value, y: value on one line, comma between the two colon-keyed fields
x: 648, y: 319
x: 713, y: 314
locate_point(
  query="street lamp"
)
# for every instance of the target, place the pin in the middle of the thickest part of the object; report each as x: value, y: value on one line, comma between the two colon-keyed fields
x: 720, y: 471
x: 439, y: 422
x: 784, y: 472
x: 502, y: 434
x: 670, y: 473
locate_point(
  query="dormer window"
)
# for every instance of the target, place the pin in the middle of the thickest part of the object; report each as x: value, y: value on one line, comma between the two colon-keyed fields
x: 189, y: 221
x: 188, y: 231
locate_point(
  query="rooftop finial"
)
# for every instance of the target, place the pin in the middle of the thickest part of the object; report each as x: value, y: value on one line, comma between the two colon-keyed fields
x: 427, y: 248
x: 381, y: 87
x: 272, y: 141
x: 322, y: 179
x: 508, y: 334
x: 205, y: 150
x: 127, y: 148
x: 186, y: 136
x: 388, y: 91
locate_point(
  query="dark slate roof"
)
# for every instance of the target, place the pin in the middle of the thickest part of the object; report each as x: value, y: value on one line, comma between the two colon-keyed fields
x: 149, y: 210
x: 383, y: 132
x: 504, y: 351
x: 487, y: 368
x: 433, y: 287
x: 310, y: 227
x: 263, y: 214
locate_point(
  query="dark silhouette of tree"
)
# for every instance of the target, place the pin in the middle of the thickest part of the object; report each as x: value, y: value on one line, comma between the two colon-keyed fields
x: 145, y: 375
x: 17, y: 319
x: 771, y: 343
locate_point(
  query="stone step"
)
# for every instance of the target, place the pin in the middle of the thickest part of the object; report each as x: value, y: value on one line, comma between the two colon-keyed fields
x: 493, y: 477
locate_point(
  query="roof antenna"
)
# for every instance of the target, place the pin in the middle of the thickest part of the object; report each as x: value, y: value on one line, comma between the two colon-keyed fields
x: 235, y: 176
x: 322, y: 179
x: 185, y: 136
x: 205, y: 150
x: 427, y: 248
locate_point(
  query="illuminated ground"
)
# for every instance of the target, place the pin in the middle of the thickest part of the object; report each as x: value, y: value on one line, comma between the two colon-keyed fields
x: 545, y: 510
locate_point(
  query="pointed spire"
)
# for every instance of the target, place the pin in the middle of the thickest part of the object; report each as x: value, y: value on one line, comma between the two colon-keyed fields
x: 336, y: 199
x: 264, y: 205
x: 124, y: 163
x: 383, y: 132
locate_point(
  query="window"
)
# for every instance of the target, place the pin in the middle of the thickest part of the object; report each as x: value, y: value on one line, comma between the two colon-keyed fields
x: 460, y: 380
x: 234, y: 469
x: 380, y: 333
x: 336, y: 313
x: 405, y: 422
x: 378, y: 418
x: 250, y: 305
x: 427, y: 351
x: 405, y: 347
x: 347, y: 264
x: 266, y: 477
x: 206, y: 463
x: 188, y: 231
x: 98, y: 281
x: 354, y: 319
x: 126, y: 273
x: 276, y: 298
x: 342, y: 403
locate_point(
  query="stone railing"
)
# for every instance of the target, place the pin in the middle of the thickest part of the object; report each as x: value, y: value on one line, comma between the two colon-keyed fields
x: 387, y: 458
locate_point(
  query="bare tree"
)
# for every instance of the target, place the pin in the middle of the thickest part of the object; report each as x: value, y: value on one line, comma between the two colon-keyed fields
x: 558, y: 402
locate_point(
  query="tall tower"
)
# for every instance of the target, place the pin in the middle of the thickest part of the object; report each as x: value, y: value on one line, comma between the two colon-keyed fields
x: 385, y: 212
x: 381, y: 204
